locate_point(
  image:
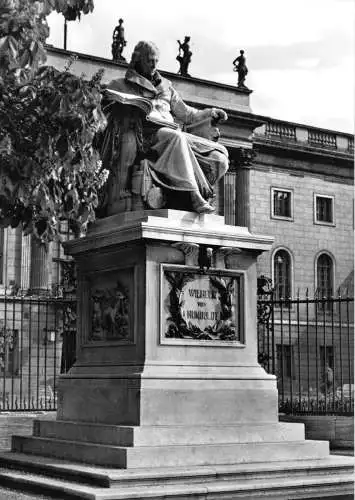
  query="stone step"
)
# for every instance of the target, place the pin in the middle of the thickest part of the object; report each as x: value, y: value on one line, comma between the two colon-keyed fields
x: 306, y: 487
x: 106, y: 477
x: 171, y: 456
x: 167, y: 435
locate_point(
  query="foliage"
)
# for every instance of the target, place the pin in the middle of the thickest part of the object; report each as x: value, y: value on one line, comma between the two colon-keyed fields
x: 50, y: 169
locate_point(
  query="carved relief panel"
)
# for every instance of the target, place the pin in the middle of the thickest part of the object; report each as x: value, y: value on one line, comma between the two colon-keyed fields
x: 111, y: 306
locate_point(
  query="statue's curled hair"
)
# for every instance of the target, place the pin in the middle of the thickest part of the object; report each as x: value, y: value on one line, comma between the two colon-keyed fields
x: 142, y: 50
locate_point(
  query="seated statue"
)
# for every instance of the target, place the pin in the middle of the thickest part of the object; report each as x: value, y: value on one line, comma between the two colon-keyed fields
x: 183, y: 165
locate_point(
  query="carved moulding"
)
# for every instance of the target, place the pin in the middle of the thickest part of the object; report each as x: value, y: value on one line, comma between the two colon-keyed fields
x: 204, y: 307
x: 229, y: 256
x: 190, y: 251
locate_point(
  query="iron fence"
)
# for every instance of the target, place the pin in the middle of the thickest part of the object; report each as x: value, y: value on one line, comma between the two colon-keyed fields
x: 308, y: 343
x: 37, y: 343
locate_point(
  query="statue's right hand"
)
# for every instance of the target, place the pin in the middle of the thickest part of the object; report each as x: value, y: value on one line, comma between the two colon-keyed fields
x: 218, y: 114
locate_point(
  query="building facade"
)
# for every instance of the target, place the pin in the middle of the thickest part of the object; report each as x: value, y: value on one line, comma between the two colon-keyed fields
x: 292, y: 181
x: 301, y: 192
x: 288, y: 180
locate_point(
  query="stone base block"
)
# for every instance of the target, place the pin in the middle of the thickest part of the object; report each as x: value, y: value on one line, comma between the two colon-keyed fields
x: 129, y: 436
x: 170, y: 455
x: 169, y: 401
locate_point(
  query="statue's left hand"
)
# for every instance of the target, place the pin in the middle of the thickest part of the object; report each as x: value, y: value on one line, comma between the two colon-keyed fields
x: 219, y: 115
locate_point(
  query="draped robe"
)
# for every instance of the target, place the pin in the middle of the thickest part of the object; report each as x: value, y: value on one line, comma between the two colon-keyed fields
x: 185, y: 162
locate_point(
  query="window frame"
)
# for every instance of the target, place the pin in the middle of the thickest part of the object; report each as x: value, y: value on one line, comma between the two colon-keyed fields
x: 282, y: 217
x: 273, y: 275
x: 328, y: 305
x: 321, y: 222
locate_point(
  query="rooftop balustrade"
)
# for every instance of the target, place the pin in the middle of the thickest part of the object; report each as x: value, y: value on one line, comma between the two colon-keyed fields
x: 282, y: 131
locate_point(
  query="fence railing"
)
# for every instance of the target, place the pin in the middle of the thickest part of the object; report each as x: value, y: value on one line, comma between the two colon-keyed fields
x: 37, y: 343
x: 308, y: 343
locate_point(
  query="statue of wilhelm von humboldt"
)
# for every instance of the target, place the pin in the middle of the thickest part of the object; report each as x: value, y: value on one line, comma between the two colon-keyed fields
x: 146, y: 118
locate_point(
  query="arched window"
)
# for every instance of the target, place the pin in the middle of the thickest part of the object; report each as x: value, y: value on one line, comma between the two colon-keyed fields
x: 324, y: 276
x: 282, y: 274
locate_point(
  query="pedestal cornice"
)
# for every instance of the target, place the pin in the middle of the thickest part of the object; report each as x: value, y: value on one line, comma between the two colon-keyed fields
x: 167, y: 225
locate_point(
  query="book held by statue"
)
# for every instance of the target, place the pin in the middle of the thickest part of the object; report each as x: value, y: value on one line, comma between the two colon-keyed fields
x: 142, y: 103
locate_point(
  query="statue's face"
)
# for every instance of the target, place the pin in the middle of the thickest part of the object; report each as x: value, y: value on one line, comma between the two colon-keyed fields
x: 148, y: 64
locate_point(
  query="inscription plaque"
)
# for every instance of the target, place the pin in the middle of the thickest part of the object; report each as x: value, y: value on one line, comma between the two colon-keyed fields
x: 201, y: 306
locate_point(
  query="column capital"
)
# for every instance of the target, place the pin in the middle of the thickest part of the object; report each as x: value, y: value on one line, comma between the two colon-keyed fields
x: 242, y: 158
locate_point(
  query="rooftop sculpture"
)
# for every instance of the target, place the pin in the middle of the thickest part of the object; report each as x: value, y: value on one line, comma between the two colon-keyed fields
x: 184, y: 56
x: 240, y: 67
x: 118, y: 42
x: 152, y: 161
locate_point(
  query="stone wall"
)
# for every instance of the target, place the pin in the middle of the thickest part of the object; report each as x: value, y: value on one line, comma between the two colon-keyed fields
x: 19, y: 424
x: 304, y: 239
x: 337, y: 429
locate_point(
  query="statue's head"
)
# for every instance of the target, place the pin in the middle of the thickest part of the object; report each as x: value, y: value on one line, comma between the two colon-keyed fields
x: 120, y: 21
x: 242, y: 52
x: 187, y: 38
x: 145, y: 58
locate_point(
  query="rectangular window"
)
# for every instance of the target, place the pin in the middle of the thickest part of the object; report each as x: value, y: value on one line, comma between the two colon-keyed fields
x: 284, y: 360
x: 324, y: 209
x: 281, y: 203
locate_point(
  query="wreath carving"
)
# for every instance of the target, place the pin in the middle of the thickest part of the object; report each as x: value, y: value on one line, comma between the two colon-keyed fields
x: 222, y: 329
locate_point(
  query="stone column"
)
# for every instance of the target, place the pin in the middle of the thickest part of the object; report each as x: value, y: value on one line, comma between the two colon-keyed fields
x: 242, y: 198
x: 39, y: 267
x: 241, y: 164
x: 229, y: 197
x: 12, y: 257
x: 25, y: 261
x: 17, y: 256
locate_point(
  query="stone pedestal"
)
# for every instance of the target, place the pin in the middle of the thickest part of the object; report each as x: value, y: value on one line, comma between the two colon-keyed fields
x: 137, y: 375
x: 166, y: 386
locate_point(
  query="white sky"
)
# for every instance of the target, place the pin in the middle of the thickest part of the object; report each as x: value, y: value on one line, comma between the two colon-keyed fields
x: 300, y: 54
